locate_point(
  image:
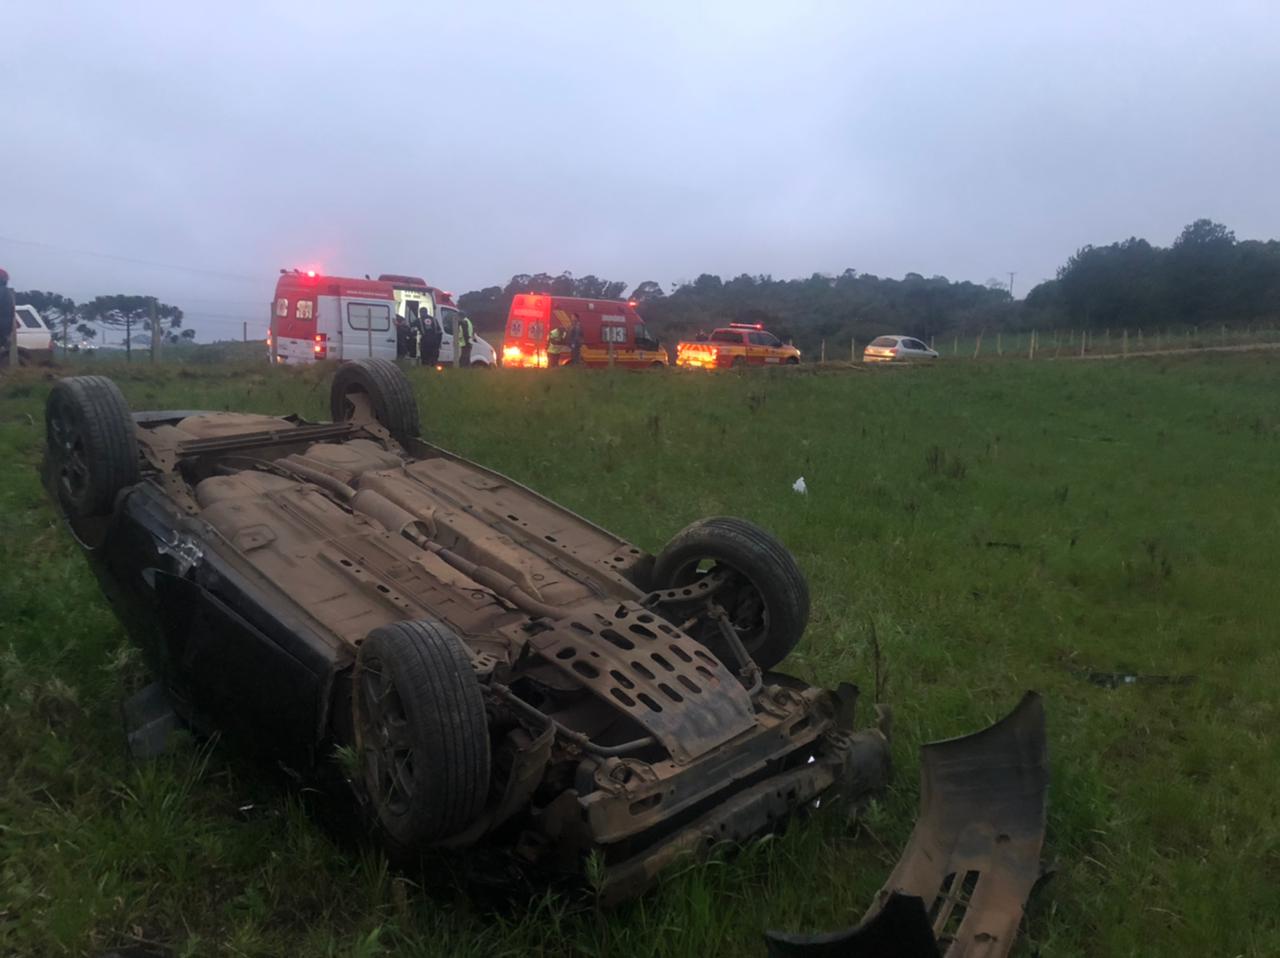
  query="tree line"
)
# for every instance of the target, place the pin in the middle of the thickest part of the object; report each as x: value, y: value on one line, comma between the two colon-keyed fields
x: 1205, y: 276
x: 131, y: 314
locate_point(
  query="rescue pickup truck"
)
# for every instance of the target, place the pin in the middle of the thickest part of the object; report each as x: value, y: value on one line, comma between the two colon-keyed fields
x: 735, y: 346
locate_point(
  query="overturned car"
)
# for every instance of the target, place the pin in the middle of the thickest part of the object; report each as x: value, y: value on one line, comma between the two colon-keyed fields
x: 503, y: 671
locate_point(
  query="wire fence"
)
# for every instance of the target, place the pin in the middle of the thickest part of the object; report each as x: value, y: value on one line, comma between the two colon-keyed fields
x: 1041, y: 344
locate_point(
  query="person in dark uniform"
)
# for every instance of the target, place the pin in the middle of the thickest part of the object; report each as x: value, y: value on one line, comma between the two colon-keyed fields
x: 431, y: 336
x: 404, y: 337
x: 575, y: 342
x: 8, y: 315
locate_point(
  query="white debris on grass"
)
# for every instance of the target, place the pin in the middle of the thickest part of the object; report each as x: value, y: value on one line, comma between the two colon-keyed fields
x: 799, y: 486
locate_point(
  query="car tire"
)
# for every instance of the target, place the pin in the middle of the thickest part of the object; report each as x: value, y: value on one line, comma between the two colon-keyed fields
x: 91, y: 448
x: 770, y: 606
x: 792, y: 361
x: 421, y: 733
x: 388, y: 390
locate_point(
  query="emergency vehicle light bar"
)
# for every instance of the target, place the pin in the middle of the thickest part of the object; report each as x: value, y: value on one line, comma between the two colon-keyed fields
x: 747, y: 325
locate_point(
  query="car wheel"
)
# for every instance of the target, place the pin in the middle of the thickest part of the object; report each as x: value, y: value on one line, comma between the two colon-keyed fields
x: 767, y: 597
x: 387, y: 390
x: 792, y: 361
x: 479, y: 364
x: 657, y: 365
x: 91, y: 449
x: 421, y: 733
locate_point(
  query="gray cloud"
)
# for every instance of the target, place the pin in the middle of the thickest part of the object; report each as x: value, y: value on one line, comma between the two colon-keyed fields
x: 650, y: 141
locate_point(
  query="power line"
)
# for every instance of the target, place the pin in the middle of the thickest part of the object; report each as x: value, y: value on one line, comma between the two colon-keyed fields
x: 130, y: 259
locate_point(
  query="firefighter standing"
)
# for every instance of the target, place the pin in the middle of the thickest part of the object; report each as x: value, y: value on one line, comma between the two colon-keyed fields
x: 556, y: 347
x: 463, y: 339
x: 8, y: 316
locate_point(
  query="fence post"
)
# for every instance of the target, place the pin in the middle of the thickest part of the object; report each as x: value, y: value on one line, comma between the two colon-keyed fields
x: 853, y: 350
x: 1084, y: 338
x: 977, y: 346
x: 1124, y: 343
x: 823, y: 355
x: 1031, y: 347
x: 999, y: 348
x: 955, y: 345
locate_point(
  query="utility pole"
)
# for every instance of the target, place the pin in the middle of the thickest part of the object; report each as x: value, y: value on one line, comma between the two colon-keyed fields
x: 155, y: 332
x: 1012, y: 274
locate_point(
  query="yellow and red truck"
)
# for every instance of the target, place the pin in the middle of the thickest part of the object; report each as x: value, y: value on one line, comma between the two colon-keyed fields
x: 735, y: 346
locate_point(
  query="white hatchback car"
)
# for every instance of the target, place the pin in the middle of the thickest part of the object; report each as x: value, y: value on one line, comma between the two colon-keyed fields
x: 35, y: 342
x: 900, y: 349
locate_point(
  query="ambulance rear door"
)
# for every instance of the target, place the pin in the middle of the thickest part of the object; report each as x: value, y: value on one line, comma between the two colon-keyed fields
x: 524, y: 343
x: 368, y: 330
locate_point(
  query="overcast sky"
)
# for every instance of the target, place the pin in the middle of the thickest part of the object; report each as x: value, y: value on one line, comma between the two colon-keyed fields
x: 633, y: 141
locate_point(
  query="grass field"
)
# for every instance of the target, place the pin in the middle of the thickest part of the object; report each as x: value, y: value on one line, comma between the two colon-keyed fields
x: 997, y: 526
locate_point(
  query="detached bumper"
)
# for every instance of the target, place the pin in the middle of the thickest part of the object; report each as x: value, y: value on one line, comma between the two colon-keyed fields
x: 960, y: 887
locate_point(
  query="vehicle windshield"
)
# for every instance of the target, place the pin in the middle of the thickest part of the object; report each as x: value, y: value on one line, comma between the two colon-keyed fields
x: 447, y: 316
x: 645, y: 339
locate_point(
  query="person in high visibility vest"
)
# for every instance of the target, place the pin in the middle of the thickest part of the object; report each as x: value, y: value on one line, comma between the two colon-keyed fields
x: 464, y: 338
x: 556, y: 347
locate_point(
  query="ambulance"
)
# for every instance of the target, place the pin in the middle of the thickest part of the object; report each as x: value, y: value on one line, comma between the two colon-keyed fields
x: 316, y: 317
x: 612, y: 332
x: 735, y: 346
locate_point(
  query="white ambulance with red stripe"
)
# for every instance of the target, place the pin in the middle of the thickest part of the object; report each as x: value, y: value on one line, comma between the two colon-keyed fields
x: 316, y: 317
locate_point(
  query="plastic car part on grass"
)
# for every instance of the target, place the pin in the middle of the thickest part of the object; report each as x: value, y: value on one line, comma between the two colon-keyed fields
x: 974, y: 854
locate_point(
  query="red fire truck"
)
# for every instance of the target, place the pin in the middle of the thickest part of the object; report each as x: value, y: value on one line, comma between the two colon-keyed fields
x: 612, y: 331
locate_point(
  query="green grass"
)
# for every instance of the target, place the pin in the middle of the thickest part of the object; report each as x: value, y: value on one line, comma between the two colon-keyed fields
x: 1136, y: 514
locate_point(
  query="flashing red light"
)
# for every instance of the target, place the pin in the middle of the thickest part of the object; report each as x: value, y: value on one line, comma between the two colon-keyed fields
x: 631, y: 303
x: 311, y: 274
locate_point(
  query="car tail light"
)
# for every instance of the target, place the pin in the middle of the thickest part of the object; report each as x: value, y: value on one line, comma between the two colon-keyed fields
x: 512, y: 356
x: 321, y: 347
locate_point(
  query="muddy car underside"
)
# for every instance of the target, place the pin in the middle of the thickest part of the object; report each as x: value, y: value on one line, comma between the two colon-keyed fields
x: 506, y: 671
